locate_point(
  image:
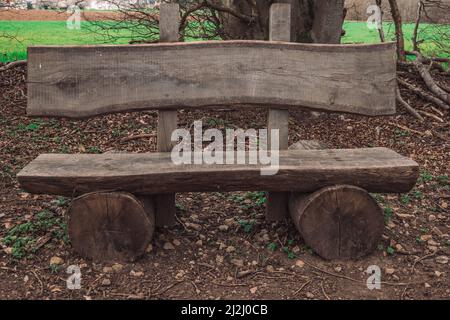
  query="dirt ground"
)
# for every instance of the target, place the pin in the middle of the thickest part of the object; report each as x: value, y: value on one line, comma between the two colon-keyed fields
x: 51, y: 15
x: 221, y: 246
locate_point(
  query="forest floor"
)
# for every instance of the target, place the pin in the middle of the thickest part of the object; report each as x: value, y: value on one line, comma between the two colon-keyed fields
x: 221, y: 247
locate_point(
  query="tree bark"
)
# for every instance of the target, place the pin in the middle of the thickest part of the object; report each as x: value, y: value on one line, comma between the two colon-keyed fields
x: 397, y: 18
x: 315, y: 21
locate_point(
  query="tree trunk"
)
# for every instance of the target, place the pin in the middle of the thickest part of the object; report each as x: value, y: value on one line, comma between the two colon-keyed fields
x: 311, y: 20
x: 396, y: 16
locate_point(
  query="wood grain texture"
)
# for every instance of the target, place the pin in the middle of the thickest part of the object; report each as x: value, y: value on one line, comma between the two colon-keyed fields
x: 308, y: 145
x: 338, y: 222
x: 278, y: 119
x: 167, y: 119
x: 110, y: 226
x: 280, y: 22
x: 373, y: 169
x: 169, y: 22
x: 83, y: 81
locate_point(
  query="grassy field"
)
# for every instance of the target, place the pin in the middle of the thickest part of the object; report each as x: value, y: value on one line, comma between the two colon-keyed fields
x: 56, y: 33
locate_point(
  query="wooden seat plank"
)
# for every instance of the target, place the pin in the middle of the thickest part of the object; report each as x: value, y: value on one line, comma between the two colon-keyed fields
x: 374, y: 169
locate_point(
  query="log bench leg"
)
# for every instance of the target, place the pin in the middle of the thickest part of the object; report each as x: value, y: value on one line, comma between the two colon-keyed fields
x: 165, y: 203
x: 276, y: 205
x: 338, y: 222
x: 110, y: 226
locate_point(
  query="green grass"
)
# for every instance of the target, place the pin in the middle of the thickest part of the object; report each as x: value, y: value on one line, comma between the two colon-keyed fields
x: 47, y: 33
x: 56, y: 33
x: 357, y: 32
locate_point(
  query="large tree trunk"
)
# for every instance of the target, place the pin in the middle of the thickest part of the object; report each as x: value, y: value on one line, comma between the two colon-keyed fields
x: 316, y: 21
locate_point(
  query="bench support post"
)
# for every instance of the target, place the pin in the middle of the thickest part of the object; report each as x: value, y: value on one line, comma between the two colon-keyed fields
x: 280, y: 30
x: 167, y: 120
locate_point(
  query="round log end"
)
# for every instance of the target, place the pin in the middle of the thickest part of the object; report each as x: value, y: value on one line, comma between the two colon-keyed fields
x: 338, y: 222
x: 110, y: 226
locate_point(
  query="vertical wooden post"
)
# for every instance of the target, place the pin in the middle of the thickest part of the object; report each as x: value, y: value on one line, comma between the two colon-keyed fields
x: 169, y: 20
x: 279, y: 30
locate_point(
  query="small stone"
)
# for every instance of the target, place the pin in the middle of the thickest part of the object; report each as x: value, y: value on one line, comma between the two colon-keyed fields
x: 270, y: 268
x: 237, y: 262
x: 193, y: 226
x: 107, y: 270
x: 438, y: 273
x: 442, y: 259
x: 117, y: 267
x: 136, y: 274
x: 299, y: 263
x: 431, y: 242
x: 389, y: 270
x: 149, y: 248
x: 253, y: 290
x: 437, y: 231
x: 230, y: 249
x: 230, y: 222
x: 309, y: 295
x: 431, y: 217
x: 427, y: 285
x: 199, y: 243
x: 223, y: 227
x: 219, y: 259
x: 56, y: 261
x: 176, y: 242
x: 168, y: 246
x: 26, y: 278
x: 106, y: 282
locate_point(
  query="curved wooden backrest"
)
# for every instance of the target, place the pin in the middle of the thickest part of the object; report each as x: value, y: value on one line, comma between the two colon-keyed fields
x: 82, y: 81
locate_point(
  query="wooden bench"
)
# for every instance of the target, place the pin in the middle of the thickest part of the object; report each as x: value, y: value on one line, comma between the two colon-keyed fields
x: 121, y: 197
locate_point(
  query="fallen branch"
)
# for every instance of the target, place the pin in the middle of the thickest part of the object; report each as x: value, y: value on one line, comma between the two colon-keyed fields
x: 426, y: 76
x: 423, y: 94
x: 439, y: 112
x: 407, y: 129
x: 406, y: 105
x: 13, y: 65
x: 430, y: 115
x: 138, y: 136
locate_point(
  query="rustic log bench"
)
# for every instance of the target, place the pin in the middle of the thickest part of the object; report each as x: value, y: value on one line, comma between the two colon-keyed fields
x: 121, y: 197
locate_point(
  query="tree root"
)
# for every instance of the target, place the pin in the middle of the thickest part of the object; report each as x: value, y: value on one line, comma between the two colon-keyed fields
x: 423, y: 94
x: 426, y: 76
x: 406, y: 105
